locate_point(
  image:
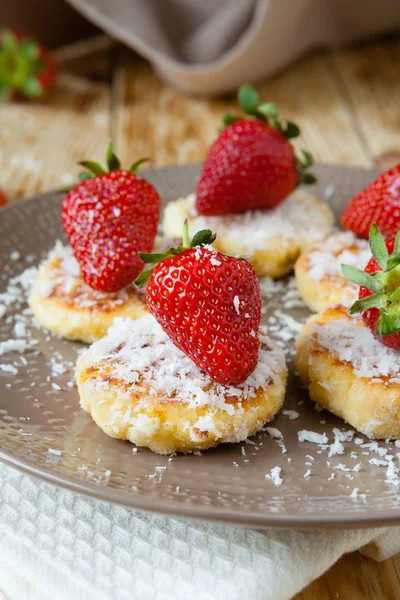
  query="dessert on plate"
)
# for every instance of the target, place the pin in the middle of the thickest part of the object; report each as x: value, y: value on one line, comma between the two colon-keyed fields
x: 319, y: 278
x: 196, y: 372
x: 248, y: 192
x: 318, y: 272
x: 108, y: 218
x: 64, y: 304
x: 351, y: 365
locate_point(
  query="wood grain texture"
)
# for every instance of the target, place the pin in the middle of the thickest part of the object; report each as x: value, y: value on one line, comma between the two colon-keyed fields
x: 40, y: 143
x: 155, y: 120
x: 371, y: 77
x: 355, y: 577
x: 346, y: 103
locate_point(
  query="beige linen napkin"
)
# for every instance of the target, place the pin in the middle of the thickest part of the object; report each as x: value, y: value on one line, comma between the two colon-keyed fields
x: 213, y: 46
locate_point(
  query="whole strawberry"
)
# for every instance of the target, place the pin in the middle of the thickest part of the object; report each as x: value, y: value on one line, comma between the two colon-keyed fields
x: 108, y: 218
x: 209, y: 304
x: 26, y: 68
x: 251, y: 164
x: 379, y: 294
x: 379, y: 203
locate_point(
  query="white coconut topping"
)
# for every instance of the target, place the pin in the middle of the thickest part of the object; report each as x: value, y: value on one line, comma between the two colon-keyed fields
x: 290, y: 220
x: 141, y: 355
x: 236, y: 304
x: 343, y: 247
x: 275, y: 476
x: 207, y: 423
x: 312, y: 436
x: 291, y: 414
x: 8, y: 369
x: 353, y: 343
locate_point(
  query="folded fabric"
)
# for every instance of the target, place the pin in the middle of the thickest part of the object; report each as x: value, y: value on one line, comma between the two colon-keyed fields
x: 58, y: 544
x: 213, y: 46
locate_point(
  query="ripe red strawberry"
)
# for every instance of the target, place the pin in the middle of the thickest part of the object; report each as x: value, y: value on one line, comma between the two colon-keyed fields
x: 26, y: 68
x: 209, y: 304
x: 251, y: 164
x: 379, y: 203
x: 3, y: 199
x: 379, y: 294
x: 108, y: 218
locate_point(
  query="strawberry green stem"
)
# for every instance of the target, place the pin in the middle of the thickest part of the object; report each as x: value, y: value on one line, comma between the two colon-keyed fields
x: 385, y: 284
x: 20, y: 65
x: 202, y: 238
x: 185, y: 235
x: 266, y: 112
x: 95, y: 169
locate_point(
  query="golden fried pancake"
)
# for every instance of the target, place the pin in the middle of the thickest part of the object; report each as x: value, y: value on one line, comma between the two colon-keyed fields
x: 318, y: 270
x: 63, y: 303
x: 272, y: 238
x: 138, y: 386
x: 350, y: 373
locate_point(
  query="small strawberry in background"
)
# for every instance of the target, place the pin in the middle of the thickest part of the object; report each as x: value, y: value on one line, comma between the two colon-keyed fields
x: 252, y: 163
x: 209, y: 304
x: 379, y: 203
x: 108, y: 218
x: 379, y: 294
x: 3, y: 199
x: 27, y: 70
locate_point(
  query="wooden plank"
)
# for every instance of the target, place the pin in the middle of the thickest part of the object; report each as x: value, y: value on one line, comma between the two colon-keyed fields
x: 40, y: 143
x: 372, y: 80
x: 356, y: 577
x: 152, y: 119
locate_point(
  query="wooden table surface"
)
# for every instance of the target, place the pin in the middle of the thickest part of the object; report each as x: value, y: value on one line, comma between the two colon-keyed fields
x: 345, y: 101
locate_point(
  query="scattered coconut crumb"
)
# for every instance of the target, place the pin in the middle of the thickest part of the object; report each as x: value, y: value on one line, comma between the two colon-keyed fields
x: 312, y: 436
x: 291, y: 414
x: 275, y: 476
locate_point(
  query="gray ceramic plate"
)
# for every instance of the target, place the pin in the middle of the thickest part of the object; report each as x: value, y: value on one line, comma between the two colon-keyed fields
x: 45, y: 433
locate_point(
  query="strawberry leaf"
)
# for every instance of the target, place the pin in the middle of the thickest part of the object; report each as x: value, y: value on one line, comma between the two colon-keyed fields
x: 134, y: 168
x: 386, y: 325
x: 378, y: 247
x: 291, y: 131
x: 268, y: 109
x: 8, y: 41
x: 375, y: 301
x: 393, y: 260
x: 358, y: 277
x: 307, y: 178
x: 229, y: 119
x: 5, y: 92
x: 92, y: 166
x: 396, y: 248
x: 32, y: 88
x: 151, y: 259
x: 203, y: 238
x: 248, y: 98
x: 113, y: 162
x: 30, y: 49
x: 144, y: 277
x: 83, y: 175
x: 394, y: 296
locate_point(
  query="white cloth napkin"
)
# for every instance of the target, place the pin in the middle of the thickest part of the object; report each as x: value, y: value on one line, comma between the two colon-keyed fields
x: 58, y: 544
